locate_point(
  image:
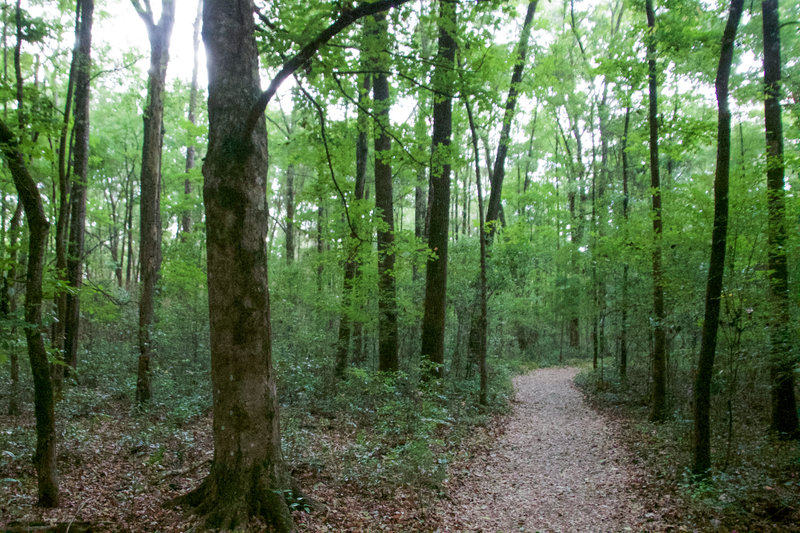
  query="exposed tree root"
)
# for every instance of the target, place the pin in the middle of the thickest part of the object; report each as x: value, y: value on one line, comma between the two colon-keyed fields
x: 230, y: 504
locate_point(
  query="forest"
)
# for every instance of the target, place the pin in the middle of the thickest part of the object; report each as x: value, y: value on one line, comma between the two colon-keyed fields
x: 394, y: 265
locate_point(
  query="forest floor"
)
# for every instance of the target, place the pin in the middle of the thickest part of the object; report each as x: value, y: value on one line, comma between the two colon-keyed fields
x: 553, y: 464
x: 558, y: 466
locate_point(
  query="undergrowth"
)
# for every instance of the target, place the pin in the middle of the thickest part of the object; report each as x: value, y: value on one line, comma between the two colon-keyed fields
x: 754, y: 483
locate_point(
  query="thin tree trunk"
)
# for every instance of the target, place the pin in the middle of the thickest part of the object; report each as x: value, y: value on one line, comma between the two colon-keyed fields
x: 129, y: 231
x: 623, y: 340
x: 499, y: 171
x: 8, y: 305
x: 433, y: 321
x: 482, y: 296
x: 658, y: 408
x: 186, y: 216
x: 351, y: 267
x: 782, y: 358
x: 290, y: 214
x: 44, y: 457
x: 320, y: 241
x: 64, y: 186
x: 150, y: 200
x: 387, y: 289
x: 77, y: 196
x: 701, y: 456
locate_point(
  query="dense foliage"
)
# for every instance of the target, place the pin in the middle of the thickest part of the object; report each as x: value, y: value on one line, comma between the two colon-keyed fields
x: 569, y: 266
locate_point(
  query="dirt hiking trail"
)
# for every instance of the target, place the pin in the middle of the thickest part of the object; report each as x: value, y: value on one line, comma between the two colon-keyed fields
x: 557, y: 467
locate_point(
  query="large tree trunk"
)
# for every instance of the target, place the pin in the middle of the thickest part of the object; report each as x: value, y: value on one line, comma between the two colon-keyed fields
x: 44, y: 457
x: 701, y: 460
x: 387, y: 289
x: 433, y: 321
x: 150, y: 200
x: 77, y: 195
x: 248, y: 476
x: 658, y: 408
x: 782, y: 358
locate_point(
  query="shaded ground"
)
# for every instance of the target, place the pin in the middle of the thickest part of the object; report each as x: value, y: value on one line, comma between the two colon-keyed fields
x: 553, y: 464
x: 558, y: 466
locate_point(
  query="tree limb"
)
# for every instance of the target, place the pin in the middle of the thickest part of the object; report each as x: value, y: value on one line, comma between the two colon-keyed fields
x: 346, y: 18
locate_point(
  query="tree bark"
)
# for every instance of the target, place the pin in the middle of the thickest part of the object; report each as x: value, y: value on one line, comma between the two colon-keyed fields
x: 186, y: 216
x: 150, y: 200
x: 482, y: 294
x: 290, y: 214
x: 782, y: 356
x: 701, y: 456
x: 658, y: 408
x: 351, y: 266
x: 77, y: 195
x: 387, y: 288
x: 8, y: 305
x: 499, y: 170
x: 44, y: 457
x: 248, y: 476
x: 623, y: 336
x: 433, y: 321
x: 64, y: 185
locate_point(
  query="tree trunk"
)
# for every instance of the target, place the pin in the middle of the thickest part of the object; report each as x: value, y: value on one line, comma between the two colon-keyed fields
x: 77, y: 196
x: 701, y: 459
x: 433, y: 321
x: 8, y: 305
x: 186, y: 216
x: 290, y: 214
x: 248, y: 476
x: 499, y: 171
x: 782, y: 358
x: 64, y: 185
x: 129, y: 232
x: 150, y: 200
x: 387, y: 289
x: 44, y: 457
x: 351, y: 266
x: 623, y: 336
x: 482, y: 294
x: 658, y: 409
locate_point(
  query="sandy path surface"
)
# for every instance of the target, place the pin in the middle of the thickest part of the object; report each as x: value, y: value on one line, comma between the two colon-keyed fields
x: 557, y: 467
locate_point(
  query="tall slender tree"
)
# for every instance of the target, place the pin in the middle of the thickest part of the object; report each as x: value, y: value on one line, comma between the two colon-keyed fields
x: 78, y: 188
x: 150, y: 200
x: 8, y: 303
x: 433, y: 321
x: 387, y: 286
x: 186, y: 216
x: 499, y: 169
x: 658, y: 408
x: 623, y: 334
x: 782, y: 356
x: 701, y: 456
x: 351, y: 266
x: 64, y: 185
x: 44, y: 458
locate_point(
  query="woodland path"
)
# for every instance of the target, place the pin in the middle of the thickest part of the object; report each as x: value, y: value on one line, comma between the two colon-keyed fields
x: 556, y: 467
